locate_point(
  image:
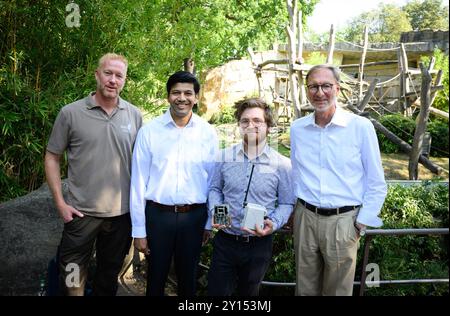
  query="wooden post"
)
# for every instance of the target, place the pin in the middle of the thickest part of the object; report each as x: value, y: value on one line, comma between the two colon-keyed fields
x: 404, y: 82
x: 361, y: 64
x: 330, y: 46
x: 437, y: 82
x: 292, y: 78
x: 290, y: 29
x: 257, y: 72
x: 421, y: 123
x: 301, y: 84
x: 368, y: 95
x: 189, y: 65
x: 300, y: 37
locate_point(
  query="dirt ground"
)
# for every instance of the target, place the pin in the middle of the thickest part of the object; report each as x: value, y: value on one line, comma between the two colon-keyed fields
x: 396, y: 168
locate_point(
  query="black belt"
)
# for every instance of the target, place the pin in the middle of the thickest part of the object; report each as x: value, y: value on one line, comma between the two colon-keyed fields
x: 183, y: 208
x: 329, y: 211
x: 239, y: 238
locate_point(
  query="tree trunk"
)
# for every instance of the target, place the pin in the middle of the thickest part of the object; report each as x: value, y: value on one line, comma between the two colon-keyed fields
x: 421, y: 123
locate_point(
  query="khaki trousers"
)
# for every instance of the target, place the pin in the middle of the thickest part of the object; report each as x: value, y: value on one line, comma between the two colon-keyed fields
x: 325, y: 252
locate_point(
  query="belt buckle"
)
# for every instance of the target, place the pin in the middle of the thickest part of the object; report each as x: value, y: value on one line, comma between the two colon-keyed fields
x: 246, y: 238
x: 177, y: 206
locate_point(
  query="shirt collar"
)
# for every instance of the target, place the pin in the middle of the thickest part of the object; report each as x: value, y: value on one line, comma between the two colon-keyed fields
x: 92, y: 104
x: 339, y: 118
x: 167, y: 119
x: 264, y: 156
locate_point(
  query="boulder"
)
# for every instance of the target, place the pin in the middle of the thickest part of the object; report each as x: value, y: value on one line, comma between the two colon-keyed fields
x: 31, y: 231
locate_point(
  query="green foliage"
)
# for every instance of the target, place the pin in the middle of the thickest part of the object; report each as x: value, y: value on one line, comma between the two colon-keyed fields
x: 409, y: 257
x: 441, y: 63
x: 388, y: 21
x: 385, y: 24
x: 224, y: 116
x: 43, y: 68
x: 406, y: 257
x: 427, y: 14
x: 404, y: 128
x: 401, y: 126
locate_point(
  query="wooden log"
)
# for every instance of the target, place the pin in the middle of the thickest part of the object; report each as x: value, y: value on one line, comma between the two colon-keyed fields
x: 374, y: 63
x: 273, y: 61
x: 404, y: 146
x: 437, y: 82
x: 361, y: 63
x: 330, y: 46
x: 368, y: 95
x: 257, y: 72
x: 300, y: 37
x: 421, y: 126
x: 293, y: 85
x: 404, y: 82
x: 438, y: 112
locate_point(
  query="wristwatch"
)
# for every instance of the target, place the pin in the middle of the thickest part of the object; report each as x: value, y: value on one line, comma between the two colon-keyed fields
x: 361, y: 232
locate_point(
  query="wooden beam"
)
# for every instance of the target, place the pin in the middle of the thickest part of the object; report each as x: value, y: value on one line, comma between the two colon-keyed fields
x: 421, y: 126
x: 300, y: 37
x: 374, y: 63
x: 368, y: 94
x: 292, y: 78
x: 330, y: 46
x: 404, y: 146
x: 363, y: 59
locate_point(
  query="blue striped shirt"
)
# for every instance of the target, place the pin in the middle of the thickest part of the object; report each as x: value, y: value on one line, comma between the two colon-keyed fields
x: 271, y: 186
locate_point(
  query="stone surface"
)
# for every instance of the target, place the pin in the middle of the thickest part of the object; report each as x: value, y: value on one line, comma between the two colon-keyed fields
x: 31, y: 230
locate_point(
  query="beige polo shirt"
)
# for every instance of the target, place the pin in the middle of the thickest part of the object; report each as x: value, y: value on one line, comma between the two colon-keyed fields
x: 99, y: 150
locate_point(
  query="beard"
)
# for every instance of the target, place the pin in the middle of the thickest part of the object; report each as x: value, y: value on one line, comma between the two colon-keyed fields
x: 325, y: 106
x: 107, y: 93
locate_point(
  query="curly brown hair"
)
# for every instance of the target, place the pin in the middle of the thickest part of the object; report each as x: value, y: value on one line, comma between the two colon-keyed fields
x: 249, y: 103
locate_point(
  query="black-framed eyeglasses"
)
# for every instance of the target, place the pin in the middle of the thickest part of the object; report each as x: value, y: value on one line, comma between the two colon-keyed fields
x: 255, y: 122
x: 326, y: 87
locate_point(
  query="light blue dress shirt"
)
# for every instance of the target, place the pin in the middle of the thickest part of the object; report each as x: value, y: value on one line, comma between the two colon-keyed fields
x: 339, y: 164
x: 170, y: 165
x: 271, y: 186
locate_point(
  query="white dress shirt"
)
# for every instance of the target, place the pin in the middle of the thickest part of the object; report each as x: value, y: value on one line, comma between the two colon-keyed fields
x: 339, y: 165
x: 170, y: 165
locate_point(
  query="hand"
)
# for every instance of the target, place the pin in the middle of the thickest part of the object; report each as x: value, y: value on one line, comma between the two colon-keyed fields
x: 216, y: 226
x: 67, y: 213
x: 267, y: 230
x: 206, y: 236
x: 289, y: 226
x: 141, y: 245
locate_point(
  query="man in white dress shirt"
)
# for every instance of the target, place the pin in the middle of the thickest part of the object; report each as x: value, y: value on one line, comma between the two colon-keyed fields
x: 340, y: 186
x: 172, y: 165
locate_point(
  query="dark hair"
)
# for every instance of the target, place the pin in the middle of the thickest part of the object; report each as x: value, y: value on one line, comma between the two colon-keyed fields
x: 182, y: 76
x: 334, y: 70
x: 245, y: 104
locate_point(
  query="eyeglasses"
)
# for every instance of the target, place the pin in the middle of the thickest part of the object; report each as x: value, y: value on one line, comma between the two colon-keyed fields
x: 255, y: 122
x: 326, y: 87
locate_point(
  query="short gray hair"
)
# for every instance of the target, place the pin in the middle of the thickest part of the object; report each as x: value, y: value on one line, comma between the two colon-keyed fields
x: 336, y: 72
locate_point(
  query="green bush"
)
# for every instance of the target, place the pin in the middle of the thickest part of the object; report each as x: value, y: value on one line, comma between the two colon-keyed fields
x: 224, y: 116
x: 404, y: 128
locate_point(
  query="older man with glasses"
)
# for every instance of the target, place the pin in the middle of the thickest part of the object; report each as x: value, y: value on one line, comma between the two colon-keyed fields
x: 339, y: 184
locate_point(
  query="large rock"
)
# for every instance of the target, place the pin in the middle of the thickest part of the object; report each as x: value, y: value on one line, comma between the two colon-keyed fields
x: 30, y: 231
x: 226, y: 84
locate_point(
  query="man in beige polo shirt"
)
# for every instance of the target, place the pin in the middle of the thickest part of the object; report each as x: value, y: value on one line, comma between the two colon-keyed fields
x: 98, y: 133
